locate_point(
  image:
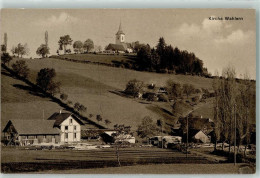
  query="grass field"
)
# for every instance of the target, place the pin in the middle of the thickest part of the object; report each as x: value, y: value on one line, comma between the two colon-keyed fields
x: 161, y: 169
x: 22, y: 160
x: 90, y: 85
x: 138, y: 160
x: 101, y: 58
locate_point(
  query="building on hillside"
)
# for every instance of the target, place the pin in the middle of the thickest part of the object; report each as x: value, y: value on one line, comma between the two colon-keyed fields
x: 120, y: 46
x: 200, y: 136
x: 69, y: 126
x: 59, y: 128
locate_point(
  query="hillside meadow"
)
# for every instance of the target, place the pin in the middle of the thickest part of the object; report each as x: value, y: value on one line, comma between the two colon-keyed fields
x: 93, y: 86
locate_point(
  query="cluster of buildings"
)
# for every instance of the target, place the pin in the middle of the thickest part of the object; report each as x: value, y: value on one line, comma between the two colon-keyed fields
x: 60, y: 128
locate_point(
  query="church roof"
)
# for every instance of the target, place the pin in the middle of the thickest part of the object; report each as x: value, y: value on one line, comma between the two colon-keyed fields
x: 120, y: 31
x: 116, y: 47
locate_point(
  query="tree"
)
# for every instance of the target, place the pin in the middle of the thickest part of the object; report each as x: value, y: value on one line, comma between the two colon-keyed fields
x: 5, y: 40
x: 20, y: 50
x: 3, y: 48
x: 46, y: 38
x: 88, y: 45
x: 99, y: 118
x: 6, y: 58
x: 107, y: 122
x: 20, y: 68
x: 63, y: 96
x: 64, y: 42
x: 45, y: 81
x: 82, y: 108
x: 43, y: 50
x: 188, y: 89
x: 78, y: 46
x: 120, y: 139
x: 147, y: 128
x: 77, y: 106
x: 134, y: 87
x: 173, y: 89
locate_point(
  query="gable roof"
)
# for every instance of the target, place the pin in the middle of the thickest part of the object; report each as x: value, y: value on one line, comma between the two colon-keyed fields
x: 60, y: 117
x: 33, y: 127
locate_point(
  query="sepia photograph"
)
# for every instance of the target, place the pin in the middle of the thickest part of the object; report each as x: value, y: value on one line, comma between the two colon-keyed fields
x: 128, y: 91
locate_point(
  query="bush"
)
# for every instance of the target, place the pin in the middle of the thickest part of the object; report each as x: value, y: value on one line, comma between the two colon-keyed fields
x: 163, y: 97
x: 197, y: 90
x: 195, y: 99
x: 64, y: 96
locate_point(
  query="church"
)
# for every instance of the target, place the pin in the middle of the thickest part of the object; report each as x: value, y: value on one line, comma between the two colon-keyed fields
x: 120, y: 46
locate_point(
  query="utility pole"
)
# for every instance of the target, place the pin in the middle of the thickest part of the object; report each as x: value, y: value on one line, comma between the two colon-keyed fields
x: 235, y: 136
x: 162, y: 132
x: 187, y: 141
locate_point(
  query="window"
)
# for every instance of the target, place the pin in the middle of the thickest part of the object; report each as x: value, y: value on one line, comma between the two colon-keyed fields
x: 75, y: 127
x: 75, y: 135
x: 70, y: 121
x: 66, y: 135
x: 66, y: 127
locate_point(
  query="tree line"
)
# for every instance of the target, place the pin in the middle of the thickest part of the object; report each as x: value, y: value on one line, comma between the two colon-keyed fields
x: 164, y: 58
x: 234, y: 105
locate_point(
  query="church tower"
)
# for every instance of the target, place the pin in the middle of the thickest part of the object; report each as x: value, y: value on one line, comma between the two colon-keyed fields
x: 120, y: 35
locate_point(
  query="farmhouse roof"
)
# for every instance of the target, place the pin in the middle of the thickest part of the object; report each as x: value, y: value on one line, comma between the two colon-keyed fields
x: 60, y: 117
x: 32, y: 127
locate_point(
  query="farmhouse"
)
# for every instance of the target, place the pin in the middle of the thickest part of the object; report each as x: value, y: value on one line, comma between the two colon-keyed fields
x: 201, y: 136
x: 59, y: 128
x: 120, y: 46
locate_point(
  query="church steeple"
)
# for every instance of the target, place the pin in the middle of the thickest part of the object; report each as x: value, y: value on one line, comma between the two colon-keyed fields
x: 120, y: 31
x: 120, y: 35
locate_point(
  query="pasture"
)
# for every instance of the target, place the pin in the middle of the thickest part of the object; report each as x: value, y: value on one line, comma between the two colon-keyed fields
x: 93, y: 86
x: 22, y: 160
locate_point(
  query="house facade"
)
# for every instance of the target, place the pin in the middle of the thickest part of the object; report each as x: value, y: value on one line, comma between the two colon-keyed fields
x: 70, y: 130
x: 59, y: 128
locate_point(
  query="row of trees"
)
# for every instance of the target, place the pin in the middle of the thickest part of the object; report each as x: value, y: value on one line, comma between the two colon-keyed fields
x: 175, y: 89
x: 234, y: 105
x: 78, y: 46
x: 164, y: 58
x: 20, y: 50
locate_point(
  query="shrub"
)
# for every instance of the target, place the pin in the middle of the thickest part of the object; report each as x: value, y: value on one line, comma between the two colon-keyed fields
x: 163, y: 97
x: 64, y: 96
x: 197, y: 90
x: 195, y: 99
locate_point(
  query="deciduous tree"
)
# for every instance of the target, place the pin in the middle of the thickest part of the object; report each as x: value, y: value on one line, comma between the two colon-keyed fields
x: 20, y: 68
x: 43, y: 50
x: 45, y: 80
x: 88, y: 45
x: 64, y: 42
x: 78, y: 46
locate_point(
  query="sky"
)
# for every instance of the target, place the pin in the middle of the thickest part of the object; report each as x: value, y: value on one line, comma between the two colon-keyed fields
x: 219, y: 43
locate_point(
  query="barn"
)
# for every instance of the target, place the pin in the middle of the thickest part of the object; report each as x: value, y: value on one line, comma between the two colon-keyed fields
x: 59, y: 128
